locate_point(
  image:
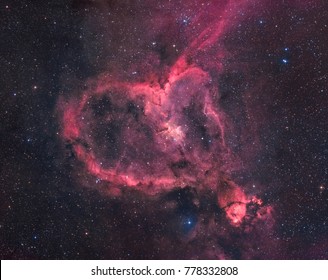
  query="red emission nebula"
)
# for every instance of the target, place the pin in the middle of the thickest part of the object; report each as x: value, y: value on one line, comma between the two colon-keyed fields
x: 164, y: 130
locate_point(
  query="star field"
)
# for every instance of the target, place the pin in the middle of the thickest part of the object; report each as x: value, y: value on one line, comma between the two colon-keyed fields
x: 171, y: 130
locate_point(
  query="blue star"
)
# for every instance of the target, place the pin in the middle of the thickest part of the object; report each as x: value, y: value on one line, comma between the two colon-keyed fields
x: 188, y: 224
x: 186, y: 20
x: 285, y: 61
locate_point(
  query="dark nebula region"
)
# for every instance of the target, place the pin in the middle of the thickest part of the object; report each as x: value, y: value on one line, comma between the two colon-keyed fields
x: 164, y: 130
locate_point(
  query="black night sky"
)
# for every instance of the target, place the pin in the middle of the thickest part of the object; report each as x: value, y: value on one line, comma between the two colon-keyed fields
x: 175, y: 129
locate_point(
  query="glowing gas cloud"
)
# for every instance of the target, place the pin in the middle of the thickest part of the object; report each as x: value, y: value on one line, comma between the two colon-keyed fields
x: 161, y: 130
